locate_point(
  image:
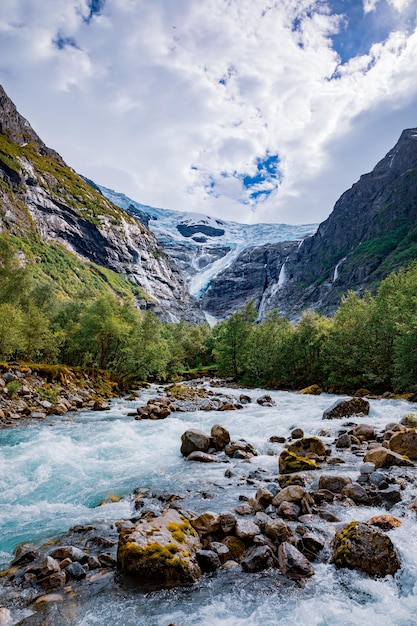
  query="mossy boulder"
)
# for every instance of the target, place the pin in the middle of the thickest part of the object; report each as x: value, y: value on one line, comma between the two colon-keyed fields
x: 312, y: 390
x: 360, y: 546
x: 347, y: 408
x: 160, y: 552
x: 307, y: 446
x: 289, y: 462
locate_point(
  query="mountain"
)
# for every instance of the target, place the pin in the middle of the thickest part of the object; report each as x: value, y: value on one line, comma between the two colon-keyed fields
x: 74, y: 236
x: 206, y: 248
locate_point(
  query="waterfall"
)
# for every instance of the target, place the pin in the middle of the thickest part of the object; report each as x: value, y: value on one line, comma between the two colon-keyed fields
x: 336, y: 269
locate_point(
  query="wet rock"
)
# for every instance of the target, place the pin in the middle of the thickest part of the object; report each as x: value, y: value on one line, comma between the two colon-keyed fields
x: 347, y: 408
x: 293, y: 493
x: 244, y: 399
x: 246, y: 530
x: 289, y: 510
x: 244, y: 509
x: 367, y: 468
x: 235, y: 546
x: 5, y: 617
x: 277, y: 530
x: 194, y: 441
x: 312, y: 390
x: 38, y: 415
x: 389, y: 496
x: 289, y: 462
x: 207, y: 523
x: 405, y: 443
x: 297, y: 433
x: 221, y: 550
x: 379, y: 479
x: 227, y: 522
x: 208, y: 560
x: 257, y: 559
x: 356, y: 493
x: 310, y: 545
x: 293, y: 563
x: 202, y: 457
x: 333, y: 483
x: 363, y: 432
x: 101, y: 405
x: 24, y: 556
x: 343, y: 442
x: 265, y: 400
x: 409, y: 421
x: 106, y: 560
x: 382, y: 457
x: 93, y: 562
x: 55, y: 580
x: 220, y: 436
x: 75, y: 571
x: 240, y: 449
x: 307, y: 446
x: 160, y: 551
x: 263, y: 496
x: 363, y: 547
x: 70, y: 552
x: 385, y: 522
x: 49, y: 566
x: 277, y: 439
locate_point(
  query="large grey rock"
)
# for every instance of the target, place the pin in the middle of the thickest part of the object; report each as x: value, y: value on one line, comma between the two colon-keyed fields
x: 293, y: 563
x: 257, y: 558
x: 347, y: 408
x: 194, y: 441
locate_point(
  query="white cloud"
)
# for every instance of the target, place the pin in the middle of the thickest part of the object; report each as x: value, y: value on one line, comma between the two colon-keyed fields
x: 161, y: 99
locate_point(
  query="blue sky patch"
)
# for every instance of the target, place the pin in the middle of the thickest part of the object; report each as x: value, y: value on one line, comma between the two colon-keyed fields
x: 64, y: 42
x: 266, y: 178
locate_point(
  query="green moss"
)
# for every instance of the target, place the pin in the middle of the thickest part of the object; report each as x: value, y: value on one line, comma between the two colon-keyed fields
x: 179, y: 531
x: 343, y: 542
x: 289, y: 462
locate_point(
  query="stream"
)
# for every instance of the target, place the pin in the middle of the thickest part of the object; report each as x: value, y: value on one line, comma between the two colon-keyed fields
x: 54, y: 474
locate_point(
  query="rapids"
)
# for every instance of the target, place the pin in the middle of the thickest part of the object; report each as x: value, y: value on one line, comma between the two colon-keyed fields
x: 54, y: 474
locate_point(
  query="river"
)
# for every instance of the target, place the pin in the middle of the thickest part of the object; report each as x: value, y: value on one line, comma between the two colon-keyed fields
x: 53, y: 475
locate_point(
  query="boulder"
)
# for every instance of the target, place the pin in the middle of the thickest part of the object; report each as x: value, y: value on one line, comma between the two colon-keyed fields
x: 307, y: 446
x: 227, y: 522
x: 240, y: 449
x: 385, y: 522
x: 202, y: 457
x: 277, y: 530
x: 293, y: 493
x: 382, y: 457
x: 355, y: 492
x: 289, y: 463
x: 257, y: 558
x: 220, y: 436
x: 246, y: 530
x: 265, y: 400
x: 235, y: 546
x: 194, y: 440
x: 312, y: 390
x: 75, y: 571
x: 363, y: 431
x: 334, y: 483
x: 347, y: 408
x: 207, y: 523
x: 208, y: 560
x: 293, y: 563
x: 404, y: 443
x: 297, y: 433
x: 344, y: 441
x: 160, y: 551
x: 360, y: 546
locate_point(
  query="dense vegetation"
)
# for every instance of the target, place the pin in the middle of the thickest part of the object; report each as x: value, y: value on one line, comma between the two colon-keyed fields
x: 371, y: 341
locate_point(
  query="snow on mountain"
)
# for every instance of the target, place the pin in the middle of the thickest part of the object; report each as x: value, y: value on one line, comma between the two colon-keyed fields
x: 203, y: 246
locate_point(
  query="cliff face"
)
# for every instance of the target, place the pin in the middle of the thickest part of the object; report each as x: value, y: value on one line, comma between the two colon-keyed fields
x: 371, y: 232
x: 41, y: 197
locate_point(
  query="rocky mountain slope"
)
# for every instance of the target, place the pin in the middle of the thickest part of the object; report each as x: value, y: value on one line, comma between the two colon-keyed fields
x: 52, y: 212
x: 371, y: 232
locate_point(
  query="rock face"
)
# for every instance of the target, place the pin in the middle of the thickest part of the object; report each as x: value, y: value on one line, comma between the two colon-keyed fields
x: 405, y: 443
x: 160, y: 552
x: 40, y: 195
x: 362, y: 547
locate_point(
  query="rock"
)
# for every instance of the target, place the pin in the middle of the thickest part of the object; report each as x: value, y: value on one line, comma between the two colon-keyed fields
x: 221, y: 550
x: 379, y: 479
x: 24, y: 556
x: 293, y: 563
x: 355, y: 492
x: 363, y: 432
x: 56, y: 579
x: 160, y: 551
x: 409, y: 420
x: 194, y: 440
x: 310, y: 545
x: 70, y: 552
x: 227, y: 522
x: 362, y: 547
x: 289, y: 510
x: 101, y: 405
x: 347, y: 408
x: 297, y: 433
x: 257, y: 558
x: 208, y: 560
x: 277, y: 439
x: 235, y: 546
x: 202, y: 457
x: 277, y: 530
x: 343, y: 441
x: 389, y: 496
x: 307, y: 446
x: 385, y: 522
x: 289, y: 462
x: 75, y: 571
x: 207, y: 523
x: 50, y: 565
x: 240, y: 449
x: 312, y: 390
x: 220, y: 436
x: 367, y: 468
x: 246, y: 530
x: 293, y: 493
x: 244, y: 509
x: 333, y: 483
x: 48, y: 598
x: 244, y: 399
x: 382, y: 457
x: 107, y: 560
x: 405, y: 443
x: 265, y: 400
x: 263, y: 496
x: 38, y: 415
x: 5, y: 617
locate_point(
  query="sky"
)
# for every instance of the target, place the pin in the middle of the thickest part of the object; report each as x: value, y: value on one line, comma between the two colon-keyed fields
x: 247, y: 110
